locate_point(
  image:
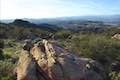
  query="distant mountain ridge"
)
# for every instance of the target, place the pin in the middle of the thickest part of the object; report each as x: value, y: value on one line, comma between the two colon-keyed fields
x: 104, y: 18
x: 23, y: 23
x: 27, y: 24
x: 89, y: 23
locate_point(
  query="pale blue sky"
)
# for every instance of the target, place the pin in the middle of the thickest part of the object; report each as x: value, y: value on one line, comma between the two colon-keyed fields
x: 11, y: 9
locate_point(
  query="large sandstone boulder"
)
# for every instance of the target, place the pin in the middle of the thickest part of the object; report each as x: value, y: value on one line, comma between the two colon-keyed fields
x: 46, y: 61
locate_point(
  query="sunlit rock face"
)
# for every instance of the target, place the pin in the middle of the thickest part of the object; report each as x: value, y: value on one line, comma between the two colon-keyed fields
x: 116, y: 36
x: 48, y: 61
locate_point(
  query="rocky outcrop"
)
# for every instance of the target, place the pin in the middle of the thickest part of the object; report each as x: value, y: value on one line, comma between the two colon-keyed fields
x: 26, y: 67
x: 116, y: 36
x: 47, y: 61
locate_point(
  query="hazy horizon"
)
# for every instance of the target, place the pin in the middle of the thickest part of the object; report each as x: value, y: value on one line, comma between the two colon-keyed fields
x: 18, y: 9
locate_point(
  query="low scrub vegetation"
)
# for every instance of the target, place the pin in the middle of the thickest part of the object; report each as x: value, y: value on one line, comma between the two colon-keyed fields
x: 95, y: 45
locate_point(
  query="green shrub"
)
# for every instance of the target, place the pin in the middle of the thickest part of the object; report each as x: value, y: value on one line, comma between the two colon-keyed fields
x: 97, y: 47
x: 6, y: 68
x: 1, y: 44
x: 9, y: 51
x: 62, y: 35
x: 7, y: 78
x: 115, y: 75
